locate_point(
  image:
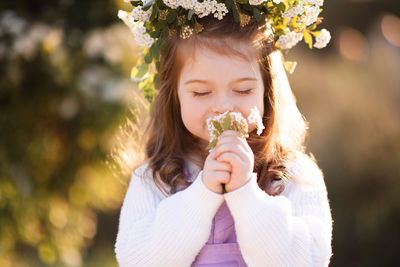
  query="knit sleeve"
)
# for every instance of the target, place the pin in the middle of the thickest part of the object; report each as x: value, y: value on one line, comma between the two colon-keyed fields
x: 158, y: 231
x: 292, y: 229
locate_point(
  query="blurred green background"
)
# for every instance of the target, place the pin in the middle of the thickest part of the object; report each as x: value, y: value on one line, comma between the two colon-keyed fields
x: 70, y: 119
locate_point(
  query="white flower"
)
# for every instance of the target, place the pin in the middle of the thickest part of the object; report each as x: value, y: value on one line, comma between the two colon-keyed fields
x: 237, y: 123
x: 322, y: 39
x: 124, y: 16
x: 205, y: 8
x: 141, y: 37
x: 256, y: 2
x: 276, y: 1
x: 289, y: 40
x: 310, y: 15
x: 139, y: 14
x: 255, y: 118
x: 316, y: 2
x: 293, y: 11
x: 172, y: 3
x: 188, y: 4
x: 221, y: 11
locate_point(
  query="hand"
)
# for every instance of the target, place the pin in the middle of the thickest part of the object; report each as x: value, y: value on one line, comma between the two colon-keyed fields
x: 215, y: 173
x: 233, y: 149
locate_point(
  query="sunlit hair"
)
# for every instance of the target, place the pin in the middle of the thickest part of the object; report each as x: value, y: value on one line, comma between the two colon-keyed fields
x: 168, y: 141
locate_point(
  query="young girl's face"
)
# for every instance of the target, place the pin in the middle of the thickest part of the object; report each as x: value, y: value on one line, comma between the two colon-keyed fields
x: 210, y: 84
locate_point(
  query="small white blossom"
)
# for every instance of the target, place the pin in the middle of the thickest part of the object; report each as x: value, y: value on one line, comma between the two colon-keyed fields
x: 277, y: 1
x: 289, y: 40
x: 256, y: 2
x: 172, y: 3
x: 141, y: 37
x: 237, y: 123
x: 124, y: 16
x: 316, y: 2
x: 188, y: 4
x: 139, y: 31
x: 255, y: 118
x: 205, y: 8
x: 293, y: 11
x: 139, y: 14
x: 323, y: 39
x: 221, y: 11
x: 310, y: 15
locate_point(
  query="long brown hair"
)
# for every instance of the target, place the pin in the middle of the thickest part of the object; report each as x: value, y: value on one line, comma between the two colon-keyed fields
x: 169, y: 142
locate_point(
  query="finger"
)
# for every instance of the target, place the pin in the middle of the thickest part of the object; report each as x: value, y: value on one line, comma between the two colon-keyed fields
x: 230, y: 158
x: 231, y: 147
x: 230, y: 133
x: 223, y: 177
x: 234, y: 139
x: 211, y: 154
x: 221, y: 166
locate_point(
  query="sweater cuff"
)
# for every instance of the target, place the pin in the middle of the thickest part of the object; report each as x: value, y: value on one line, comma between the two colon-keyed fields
x: 200, y: 192
x: 249, y: 192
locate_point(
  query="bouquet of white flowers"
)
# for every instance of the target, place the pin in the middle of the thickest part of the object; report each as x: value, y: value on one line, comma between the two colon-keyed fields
x: 233, y: 121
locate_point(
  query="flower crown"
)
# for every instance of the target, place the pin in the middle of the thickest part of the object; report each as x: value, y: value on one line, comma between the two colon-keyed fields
x: 153, y: 21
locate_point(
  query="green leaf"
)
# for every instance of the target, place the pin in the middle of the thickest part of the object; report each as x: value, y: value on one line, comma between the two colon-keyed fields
x: 308, y: 39
x: 190, y: 14
x: 229, y: 4
x: 242, y: 1
x: 257, y: 13
x: 164, y: 32
x: 217, y: 126
x: 171, y: 17
x: 244, y: 133
x: 155, y: 82
x: 316, y: 33
x: 155, y: 34
x: 236, y: 14
x: 312, y: 27
x: 154, y: 12
x: 161, y: 5
x: 227, y: 121
x: 148, y: 58
x: 148, y: 5
x: 139, y: 71
x: 147, y: 88
x: 212, y: 144
x: 248, y: 8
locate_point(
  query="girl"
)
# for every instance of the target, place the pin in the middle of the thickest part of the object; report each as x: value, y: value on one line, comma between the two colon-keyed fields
x: 275, y: 211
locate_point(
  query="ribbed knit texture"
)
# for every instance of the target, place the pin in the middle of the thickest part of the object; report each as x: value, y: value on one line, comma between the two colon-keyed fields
x: 293, y: 229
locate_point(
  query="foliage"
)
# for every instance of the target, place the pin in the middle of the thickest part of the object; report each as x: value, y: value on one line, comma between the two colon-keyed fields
x: 60, y: 96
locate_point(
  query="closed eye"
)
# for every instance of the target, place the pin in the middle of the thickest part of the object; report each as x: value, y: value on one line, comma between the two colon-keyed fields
x: 244, y: 92
x: 200, y: 93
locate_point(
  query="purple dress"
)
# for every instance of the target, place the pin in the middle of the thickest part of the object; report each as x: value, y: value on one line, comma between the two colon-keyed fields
x: 221, y: 249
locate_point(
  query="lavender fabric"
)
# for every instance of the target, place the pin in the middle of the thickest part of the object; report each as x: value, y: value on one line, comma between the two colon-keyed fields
x: 221, y: 249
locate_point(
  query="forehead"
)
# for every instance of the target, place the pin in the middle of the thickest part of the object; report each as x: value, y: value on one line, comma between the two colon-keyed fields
x: 228, y: 60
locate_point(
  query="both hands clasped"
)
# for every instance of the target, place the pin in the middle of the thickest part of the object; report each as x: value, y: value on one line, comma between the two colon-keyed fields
x: 231, y: 163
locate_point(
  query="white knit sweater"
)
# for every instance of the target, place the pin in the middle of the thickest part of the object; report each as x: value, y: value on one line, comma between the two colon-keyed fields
x: 292, y: 229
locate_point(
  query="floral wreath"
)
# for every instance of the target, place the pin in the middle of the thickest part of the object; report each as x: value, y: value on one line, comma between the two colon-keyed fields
x: 152, y: 21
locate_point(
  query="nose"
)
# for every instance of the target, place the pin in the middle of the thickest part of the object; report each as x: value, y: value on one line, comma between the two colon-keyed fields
x: 222, y: 105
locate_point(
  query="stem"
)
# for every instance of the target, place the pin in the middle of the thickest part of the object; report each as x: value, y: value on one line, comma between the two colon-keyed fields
x: 223, y: 189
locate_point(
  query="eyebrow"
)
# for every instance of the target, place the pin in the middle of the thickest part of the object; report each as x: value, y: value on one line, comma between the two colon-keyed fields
x: 233, y: 82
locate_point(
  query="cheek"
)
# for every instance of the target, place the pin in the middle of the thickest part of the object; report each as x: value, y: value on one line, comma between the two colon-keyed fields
x: 190, y: 112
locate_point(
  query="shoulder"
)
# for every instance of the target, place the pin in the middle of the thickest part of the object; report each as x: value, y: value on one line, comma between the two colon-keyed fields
x: 306, y: 189
x: 142, y: 180
x: 305, y: 174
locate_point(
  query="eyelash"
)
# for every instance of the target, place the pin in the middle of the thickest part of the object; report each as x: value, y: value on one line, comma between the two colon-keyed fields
x: 244, y: 92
